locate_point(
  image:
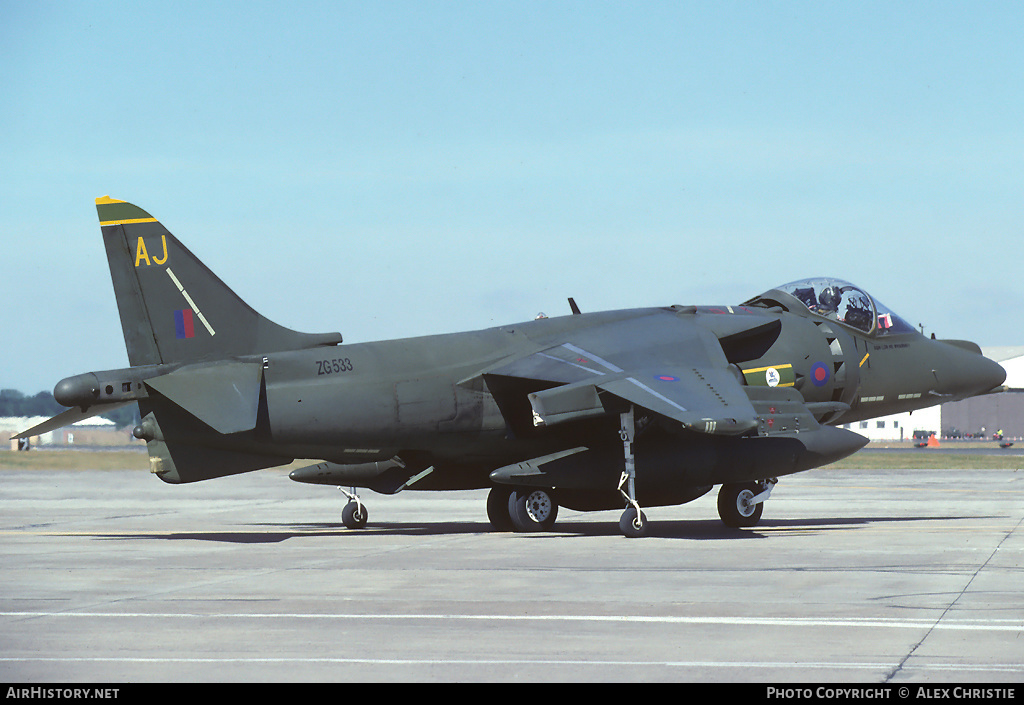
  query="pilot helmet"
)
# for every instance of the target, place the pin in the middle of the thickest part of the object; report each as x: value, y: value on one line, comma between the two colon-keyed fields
x: 830, y: 298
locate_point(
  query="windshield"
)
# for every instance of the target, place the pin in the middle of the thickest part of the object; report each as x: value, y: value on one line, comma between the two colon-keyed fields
x: 841, y: 301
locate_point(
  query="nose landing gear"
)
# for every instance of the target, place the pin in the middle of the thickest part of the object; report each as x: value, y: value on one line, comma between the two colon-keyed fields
x: 740, y: 505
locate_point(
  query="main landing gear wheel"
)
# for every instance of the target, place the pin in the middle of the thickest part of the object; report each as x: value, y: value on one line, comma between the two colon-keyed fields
x: 532, y: 509
x: 735, y: 506
x: 354, y: 515
x: 497, y: 508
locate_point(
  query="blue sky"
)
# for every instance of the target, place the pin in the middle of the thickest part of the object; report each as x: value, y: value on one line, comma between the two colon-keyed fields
x: 390, y: 169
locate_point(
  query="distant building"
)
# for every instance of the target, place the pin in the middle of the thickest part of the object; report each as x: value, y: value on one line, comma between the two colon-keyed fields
x: 96, y: 431
x: 992, y: 412
x: 899, y: 427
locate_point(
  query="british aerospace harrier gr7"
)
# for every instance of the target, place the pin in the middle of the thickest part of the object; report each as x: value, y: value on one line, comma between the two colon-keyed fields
x: 624, y: 409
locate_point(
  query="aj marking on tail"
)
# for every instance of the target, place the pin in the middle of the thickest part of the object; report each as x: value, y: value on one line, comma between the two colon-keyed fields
x: 142, y: 254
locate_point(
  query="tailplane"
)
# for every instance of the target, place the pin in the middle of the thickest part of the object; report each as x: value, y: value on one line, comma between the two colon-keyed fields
x: 173, y: 308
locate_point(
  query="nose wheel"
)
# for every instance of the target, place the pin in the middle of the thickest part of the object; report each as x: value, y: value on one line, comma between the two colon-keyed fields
x: 740, y: 505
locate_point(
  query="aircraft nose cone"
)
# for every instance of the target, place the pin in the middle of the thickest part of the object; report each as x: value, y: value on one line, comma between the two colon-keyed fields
x: 969, y: 374
x: 990, y: 374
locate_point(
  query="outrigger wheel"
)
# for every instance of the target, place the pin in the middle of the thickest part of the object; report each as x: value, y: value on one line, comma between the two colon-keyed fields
x: 633, y: 522
x: 631, y: 526
x: 354, y: 515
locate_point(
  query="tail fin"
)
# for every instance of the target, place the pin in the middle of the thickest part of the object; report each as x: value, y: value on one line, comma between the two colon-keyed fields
x: 174, y: 309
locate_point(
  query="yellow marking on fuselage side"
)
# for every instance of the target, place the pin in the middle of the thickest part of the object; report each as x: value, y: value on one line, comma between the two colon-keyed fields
x: 769, y: 367
x: 776, y: 368
x: 864, y: 359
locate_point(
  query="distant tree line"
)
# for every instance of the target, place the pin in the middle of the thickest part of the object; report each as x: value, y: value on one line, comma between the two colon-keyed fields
x: 14, y: 403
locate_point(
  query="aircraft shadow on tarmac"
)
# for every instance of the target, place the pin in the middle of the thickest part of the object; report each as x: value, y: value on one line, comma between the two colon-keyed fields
x: 696, y: 530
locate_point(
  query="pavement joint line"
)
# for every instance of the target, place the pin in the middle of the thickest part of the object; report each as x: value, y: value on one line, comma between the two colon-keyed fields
x: 865, y: 622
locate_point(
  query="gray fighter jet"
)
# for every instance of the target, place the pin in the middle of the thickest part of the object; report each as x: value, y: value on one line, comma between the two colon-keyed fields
x: 591, y: 411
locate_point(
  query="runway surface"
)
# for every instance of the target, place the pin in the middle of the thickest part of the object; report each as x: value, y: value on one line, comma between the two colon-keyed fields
x: 852, y: 576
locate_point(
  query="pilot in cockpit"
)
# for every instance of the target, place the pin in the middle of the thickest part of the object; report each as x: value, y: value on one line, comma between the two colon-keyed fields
x: 829, y: 300
x: 841, y: 301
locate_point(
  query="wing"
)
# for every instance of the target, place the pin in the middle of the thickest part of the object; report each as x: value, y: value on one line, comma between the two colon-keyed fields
x: 661, y: 361
x: 706, y: 399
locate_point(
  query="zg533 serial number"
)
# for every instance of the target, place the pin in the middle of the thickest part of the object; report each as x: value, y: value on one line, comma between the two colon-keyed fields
x: 335, y: 366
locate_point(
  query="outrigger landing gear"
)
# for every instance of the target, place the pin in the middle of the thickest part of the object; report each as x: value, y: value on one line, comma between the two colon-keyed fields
x: 740, y: 505
x: 633, y: 522
x: 354, y: 515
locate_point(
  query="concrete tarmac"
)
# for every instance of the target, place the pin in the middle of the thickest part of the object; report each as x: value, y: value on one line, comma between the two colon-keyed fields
x: 852, y: 576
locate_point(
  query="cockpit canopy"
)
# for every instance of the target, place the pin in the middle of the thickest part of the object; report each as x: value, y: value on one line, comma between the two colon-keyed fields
x: 836, y: 300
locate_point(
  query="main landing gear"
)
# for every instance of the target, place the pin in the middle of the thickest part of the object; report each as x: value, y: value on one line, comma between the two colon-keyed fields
x: 534, y: 508
x: 521, y: 509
